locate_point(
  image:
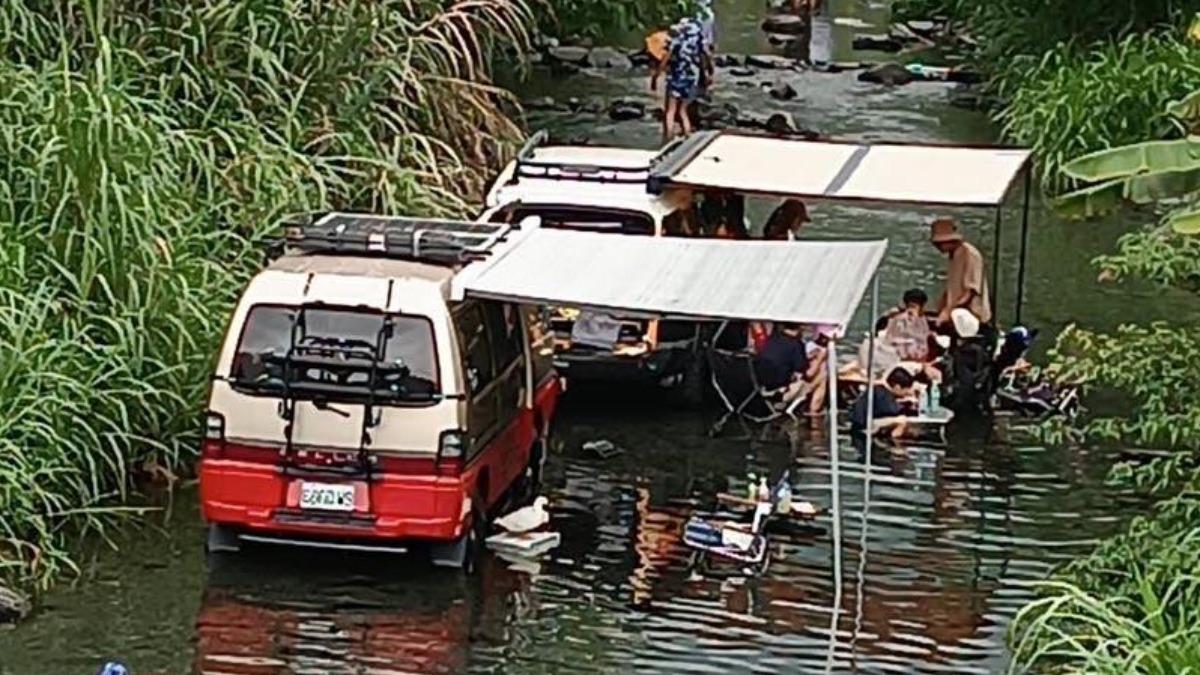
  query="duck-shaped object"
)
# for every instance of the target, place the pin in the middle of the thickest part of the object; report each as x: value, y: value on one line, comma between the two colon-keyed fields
x: 526, y: 519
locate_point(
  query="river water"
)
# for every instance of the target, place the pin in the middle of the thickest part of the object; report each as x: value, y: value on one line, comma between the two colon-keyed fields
x: 939, y: 542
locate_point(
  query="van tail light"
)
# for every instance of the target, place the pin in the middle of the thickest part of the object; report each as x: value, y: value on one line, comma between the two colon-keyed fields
x: 452, y: 450
x: 213, y: 444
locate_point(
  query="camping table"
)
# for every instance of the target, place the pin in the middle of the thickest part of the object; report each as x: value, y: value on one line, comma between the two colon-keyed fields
x: 937, y: 420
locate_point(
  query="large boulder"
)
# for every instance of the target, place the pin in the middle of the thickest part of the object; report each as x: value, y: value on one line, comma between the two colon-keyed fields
x: 783, y: 124
x: 890, y: 74
x: 575, y: 56
x: 622, y: 110
x: 727, y: 60
x: 13, y: 606
x: 608, y: 57
x: 785, y: 24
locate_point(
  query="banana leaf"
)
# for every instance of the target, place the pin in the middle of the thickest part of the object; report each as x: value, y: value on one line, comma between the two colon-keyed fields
x: 1185, y: 222
x: 1091, y: 201
x: 1108, y: 196
x: 1162, y: 185
x: 1128, y: 160
x: 1186, y: 109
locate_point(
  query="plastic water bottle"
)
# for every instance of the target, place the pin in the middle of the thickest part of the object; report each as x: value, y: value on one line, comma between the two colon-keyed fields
x: 751, y: 487
x: 764, y: 491
x: 923, y: 402
x: 783, y: 505
x: 935, y: 397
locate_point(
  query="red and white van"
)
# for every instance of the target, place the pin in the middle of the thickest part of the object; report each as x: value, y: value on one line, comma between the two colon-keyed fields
x: 356, y: 406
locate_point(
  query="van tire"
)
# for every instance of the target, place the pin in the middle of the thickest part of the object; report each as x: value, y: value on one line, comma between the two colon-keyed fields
x: 465, y: 552
x: 221, y: 539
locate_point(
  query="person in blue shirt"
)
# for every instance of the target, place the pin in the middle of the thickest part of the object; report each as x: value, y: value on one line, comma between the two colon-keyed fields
x: 888, y: 413
x: 783, y: 364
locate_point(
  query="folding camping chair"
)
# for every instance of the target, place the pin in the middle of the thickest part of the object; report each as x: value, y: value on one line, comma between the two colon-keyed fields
x: 736, y: 383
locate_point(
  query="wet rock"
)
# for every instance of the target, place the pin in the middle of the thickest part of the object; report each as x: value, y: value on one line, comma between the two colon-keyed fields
x: 780, y: 40
x: 782, y: 91
x: 964, y: 76
x: 564, y: 69
x: 877, y: 43
x: 785, y: 24
x: 890, y: 74
x: 607, y: 57
x: 575, y: 56
x: 546, y: 41
x: 592, y: 107
x: 639, y: 58
x: 535, y: 58
x: 770, y: 61
x: 743, y: 71
x: 923, y: 28
x: 743, y: 83
x: 751, y: 120
x: 727, y: 60
x: 717, y: 116
x: 622, y: 110
x: 782, y: 124
x: 13, y: 606
x: 542, y: 103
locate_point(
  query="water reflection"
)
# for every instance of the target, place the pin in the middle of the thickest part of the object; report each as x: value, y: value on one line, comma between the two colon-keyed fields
x: 263, y: 614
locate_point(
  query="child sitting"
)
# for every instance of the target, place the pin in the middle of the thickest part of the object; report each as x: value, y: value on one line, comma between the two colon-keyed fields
x: 887, y: 412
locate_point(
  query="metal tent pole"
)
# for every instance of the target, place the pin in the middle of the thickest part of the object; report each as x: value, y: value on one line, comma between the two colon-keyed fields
x: 1024, y: 243
x: 995, y: 288
x: 835, y: 510
x: 870, y: 431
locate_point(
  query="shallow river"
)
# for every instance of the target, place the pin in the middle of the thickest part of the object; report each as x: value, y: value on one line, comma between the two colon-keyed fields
x: 940, y: 543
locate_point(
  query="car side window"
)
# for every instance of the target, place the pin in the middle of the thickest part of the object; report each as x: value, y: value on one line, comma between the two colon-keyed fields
x: 478, y: 359
x: 504, y: 323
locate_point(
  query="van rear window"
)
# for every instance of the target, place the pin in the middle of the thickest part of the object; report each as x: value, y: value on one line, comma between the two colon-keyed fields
x: 336, y: 354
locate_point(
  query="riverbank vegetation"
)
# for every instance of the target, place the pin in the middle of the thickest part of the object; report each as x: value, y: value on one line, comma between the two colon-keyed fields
x: 612, y: 20
x: 1076, y: 76
x: 145, y: 150
x: 1073, y: 78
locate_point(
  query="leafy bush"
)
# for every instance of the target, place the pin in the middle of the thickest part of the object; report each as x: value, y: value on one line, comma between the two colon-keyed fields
x: 1070, y: 102
x: 145, y: 149
x: 611, y: 19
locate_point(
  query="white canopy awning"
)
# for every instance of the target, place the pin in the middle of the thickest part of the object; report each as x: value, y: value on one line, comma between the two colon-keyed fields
x: 943, y: 175
x: 811, y: 282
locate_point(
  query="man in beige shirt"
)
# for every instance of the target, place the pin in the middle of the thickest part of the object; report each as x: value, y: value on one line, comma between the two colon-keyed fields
x: 966, y: 282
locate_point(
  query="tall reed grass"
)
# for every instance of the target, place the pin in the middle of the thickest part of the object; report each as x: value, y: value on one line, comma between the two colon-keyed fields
x: 145, y: 148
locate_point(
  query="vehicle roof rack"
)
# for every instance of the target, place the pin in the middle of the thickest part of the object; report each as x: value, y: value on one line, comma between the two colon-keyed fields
x: 527, y: 167
x: 446, y: 242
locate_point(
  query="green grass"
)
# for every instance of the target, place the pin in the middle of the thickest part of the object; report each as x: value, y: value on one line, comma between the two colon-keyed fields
x: 145, y: 150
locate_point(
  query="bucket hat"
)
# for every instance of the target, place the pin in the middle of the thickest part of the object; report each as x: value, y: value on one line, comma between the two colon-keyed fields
x: 965, y: 323
x: 944, y: 230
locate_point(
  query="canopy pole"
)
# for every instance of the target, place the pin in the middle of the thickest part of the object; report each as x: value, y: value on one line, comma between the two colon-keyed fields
x: 1024, y: 243
x: 835, y: 510
x: 995, y: 288
x: 870, y: 429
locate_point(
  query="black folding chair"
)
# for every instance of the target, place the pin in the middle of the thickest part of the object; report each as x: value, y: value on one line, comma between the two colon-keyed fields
x: 736, y: 383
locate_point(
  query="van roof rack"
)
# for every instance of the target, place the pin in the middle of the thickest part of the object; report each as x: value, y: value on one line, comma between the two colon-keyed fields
x: 527, y: 167
x: 446, y: 242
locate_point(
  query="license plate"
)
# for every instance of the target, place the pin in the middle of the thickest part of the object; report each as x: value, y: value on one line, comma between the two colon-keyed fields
x: 326, y: 497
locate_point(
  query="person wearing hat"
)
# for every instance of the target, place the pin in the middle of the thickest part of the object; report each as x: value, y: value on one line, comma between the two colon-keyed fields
x: 966, y: 281
x: 786, y: 220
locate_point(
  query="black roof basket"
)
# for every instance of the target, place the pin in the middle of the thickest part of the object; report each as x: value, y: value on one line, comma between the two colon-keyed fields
x: 675, y: 156
x: 528, y: 167
x: 446, y: 242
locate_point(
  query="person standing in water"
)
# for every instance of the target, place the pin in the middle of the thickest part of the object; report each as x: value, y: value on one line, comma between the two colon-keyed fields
x: 688, y: 63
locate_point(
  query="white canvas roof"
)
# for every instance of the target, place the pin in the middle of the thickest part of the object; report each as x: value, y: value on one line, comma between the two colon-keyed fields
x: 943, y: 175
x: 811, y: 282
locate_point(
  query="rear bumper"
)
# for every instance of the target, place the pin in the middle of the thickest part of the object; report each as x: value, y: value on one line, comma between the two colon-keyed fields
x: 254, y: 498
x: 582, y: 364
